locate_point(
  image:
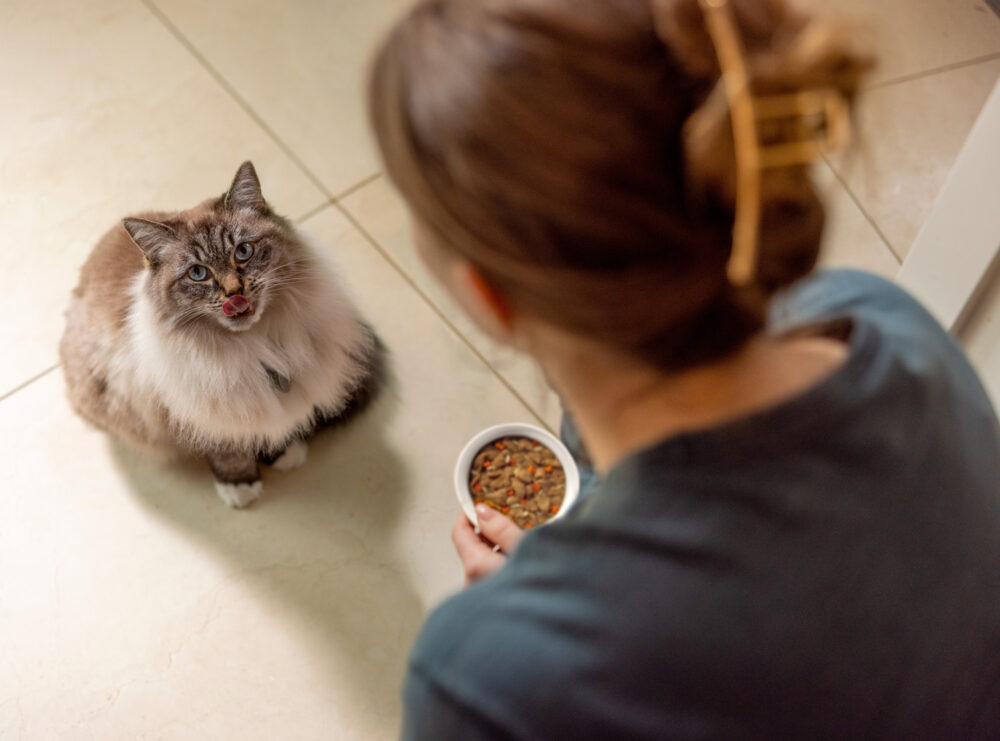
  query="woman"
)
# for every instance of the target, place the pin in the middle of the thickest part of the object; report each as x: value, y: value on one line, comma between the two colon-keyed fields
x: 795, y: 532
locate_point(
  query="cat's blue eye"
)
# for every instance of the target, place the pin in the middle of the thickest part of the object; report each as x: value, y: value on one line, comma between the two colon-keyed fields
x: 197, y: 272
x: 244, y: 251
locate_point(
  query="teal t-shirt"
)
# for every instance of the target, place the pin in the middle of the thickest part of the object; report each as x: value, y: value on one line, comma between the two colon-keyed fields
x: 827, y: 568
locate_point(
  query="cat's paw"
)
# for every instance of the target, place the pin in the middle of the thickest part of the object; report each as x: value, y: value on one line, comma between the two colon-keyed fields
x: 293, y: 457
x: 239, y: 496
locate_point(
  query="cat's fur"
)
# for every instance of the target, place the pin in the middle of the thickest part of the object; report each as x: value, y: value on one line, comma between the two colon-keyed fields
x: 149, y: 355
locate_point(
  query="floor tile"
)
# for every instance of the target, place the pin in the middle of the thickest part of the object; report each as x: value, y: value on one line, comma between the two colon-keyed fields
x: 908, y: 138
x: 913, y: 36
x: 850, y: 240
x: 135, y: 605
x: 115, y: 117
x: 380, y: 211
x: 302, y: 66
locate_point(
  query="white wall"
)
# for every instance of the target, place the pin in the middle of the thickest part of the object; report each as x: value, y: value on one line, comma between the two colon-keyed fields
x: 954, y: 264
x: 981, y: 336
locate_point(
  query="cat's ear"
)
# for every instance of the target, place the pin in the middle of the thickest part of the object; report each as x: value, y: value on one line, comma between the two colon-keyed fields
x: 149, y: 236
x: 245, y: 191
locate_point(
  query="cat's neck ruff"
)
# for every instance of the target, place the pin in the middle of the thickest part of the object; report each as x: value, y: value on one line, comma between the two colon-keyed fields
x: 215, y: 386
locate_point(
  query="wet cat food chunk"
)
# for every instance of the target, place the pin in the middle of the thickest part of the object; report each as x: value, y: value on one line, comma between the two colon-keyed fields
x: 519, y: 477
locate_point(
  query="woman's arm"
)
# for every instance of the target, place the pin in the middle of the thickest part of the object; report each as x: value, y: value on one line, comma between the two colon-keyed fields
x: 431, y: 714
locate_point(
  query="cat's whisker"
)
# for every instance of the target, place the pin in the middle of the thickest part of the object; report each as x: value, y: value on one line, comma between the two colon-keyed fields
x: 188, y: 317
x: 279, y: 272
x: 282, y: 283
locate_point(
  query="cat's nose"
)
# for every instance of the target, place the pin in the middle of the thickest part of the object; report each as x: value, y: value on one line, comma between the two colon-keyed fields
x: 232, y: 285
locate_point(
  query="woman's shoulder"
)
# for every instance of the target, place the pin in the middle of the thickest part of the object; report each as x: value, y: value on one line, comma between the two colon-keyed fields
x: 896, y: 329
x: 827, y: 295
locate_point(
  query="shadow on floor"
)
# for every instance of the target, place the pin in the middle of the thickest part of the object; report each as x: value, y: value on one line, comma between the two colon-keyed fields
x: 318, y: 548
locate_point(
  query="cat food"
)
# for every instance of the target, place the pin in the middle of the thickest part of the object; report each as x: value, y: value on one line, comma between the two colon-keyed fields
x: 519, y: 477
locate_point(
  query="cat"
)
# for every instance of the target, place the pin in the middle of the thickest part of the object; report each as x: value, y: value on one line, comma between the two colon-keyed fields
x: 216, y: 332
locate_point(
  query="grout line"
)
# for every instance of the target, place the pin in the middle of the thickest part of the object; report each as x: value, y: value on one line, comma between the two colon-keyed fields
x: 356, y: 187
x: 28, y: 382
x: 441, y: 315
x: 312, y: 212
x: 240, y: 100
x: 931, y: 72
x: 862, y: 209
x: 341, y: 196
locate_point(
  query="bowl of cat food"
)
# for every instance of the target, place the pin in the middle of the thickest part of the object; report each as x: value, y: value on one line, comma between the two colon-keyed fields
x: 521, y: 471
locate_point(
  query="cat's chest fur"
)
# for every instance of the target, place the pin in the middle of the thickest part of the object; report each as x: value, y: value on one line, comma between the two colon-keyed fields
x: 216, y: 387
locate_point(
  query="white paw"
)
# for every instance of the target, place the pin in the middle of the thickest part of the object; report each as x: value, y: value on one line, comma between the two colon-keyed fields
x: 293, y: 457
x: 239, y: 496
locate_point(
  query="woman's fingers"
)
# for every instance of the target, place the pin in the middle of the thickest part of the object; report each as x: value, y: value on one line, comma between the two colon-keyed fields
x: 467, y: 541
x: 478, y: 558
x: 498, y: 529
x: 481, y: 558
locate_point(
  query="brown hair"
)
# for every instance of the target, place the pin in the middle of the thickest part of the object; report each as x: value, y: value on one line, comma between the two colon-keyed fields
x: 550, y: 143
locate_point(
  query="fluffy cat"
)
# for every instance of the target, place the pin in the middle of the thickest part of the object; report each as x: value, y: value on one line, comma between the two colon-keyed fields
x: 216, y: 332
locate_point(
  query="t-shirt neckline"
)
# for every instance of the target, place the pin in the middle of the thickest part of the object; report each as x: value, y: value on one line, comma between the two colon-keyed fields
x: 733, y: 441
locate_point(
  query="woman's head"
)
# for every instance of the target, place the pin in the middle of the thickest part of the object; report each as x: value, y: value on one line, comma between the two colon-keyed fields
x: 552, y: 145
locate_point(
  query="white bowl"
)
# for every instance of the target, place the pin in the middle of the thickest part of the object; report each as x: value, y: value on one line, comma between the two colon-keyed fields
x: 514, y: 429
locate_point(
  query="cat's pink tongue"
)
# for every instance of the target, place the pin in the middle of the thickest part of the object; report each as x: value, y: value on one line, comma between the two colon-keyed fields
x: 236, y: 305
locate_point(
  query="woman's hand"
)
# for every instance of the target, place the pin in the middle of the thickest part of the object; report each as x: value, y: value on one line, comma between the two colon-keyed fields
x: 481, y: 558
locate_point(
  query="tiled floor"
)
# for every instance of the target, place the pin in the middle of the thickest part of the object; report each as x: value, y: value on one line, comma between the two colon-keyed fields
x: 132, y: 604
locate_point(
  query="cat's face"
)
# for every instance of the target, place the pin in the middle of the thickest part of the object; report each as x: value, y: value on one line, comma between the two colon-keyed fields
x: 222, y: 263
